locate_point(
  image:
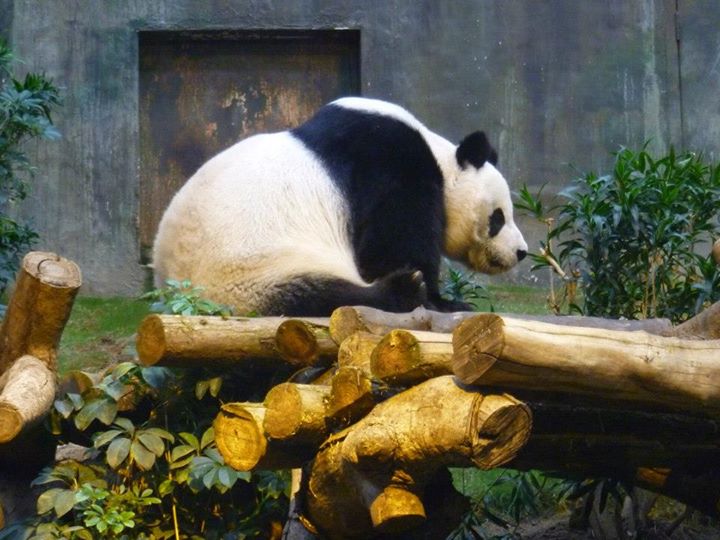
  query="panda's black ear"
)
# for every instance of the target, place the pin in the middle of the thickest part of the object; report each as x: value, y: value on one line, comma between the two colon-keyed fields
x: 475, y: 150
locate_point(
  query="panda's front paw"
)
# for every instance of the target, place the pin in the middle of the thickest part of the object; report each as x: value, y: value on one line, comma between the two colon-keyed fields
x: 448, y: 306
x: 403, y: 290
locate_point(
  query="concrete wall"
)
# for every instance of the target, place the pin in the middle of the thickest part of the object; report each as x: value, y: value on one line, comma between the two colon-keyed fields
x: 554, y: 83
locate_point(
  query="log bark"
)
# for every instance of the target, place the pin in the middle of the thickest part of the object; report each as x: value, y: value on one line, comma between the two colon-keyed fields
x: 347, y: 320
x: 27, y: 391
x: 716, y: 252
x: 243, y: 443
x: 370, y: 477
x: 635, y: 366
x: 186, y: 341
x: 704, y: 325
x: 406, y: 358
x: 296, y: 412
x: 39, y: 308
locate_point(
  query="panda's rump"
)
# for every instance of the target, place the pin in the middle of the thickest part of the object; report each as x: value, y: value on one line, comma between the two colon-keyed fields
x: 261, y: 212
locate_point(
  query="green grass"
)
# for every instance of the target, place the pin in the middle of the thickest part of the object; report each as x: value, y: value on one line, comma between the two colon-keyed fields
x: 100, y: 331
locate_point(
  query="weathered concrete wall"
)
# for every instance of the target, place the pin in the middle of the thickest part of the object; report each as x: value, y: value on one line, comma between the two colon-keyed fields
x: 554, y: 83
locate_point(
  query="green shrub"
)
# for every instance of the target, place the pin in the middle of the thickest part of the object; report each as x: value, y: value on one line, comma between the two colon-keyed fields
x: 25, y: 114
x: 154, y: 471
x: 637, y: 240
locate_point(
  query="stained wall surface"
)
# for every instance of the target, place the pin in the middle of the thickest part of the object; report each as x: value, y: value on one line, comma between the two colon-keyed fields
x: 558, y: 85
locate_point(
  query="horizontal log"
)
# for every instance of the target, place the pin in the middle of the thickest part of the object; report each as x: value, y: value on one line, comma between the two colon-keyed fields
x: 406, y: 358
x: 705, y: 325
x: 347, y: 320
x: 304, y: 343
x: 39, y: 308
x: 296, y: 412
x: 243, y: 443
x: 370, y: 477
x: 351, y: 396
x: 187, y: 341
x: 27, y: 391
x: 635, y: 366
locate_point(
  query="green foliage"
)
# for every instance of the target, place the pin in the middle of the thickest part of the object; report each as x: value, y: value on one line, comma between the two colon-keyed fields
x: 502, y: 498
x: 181, y: 298
x: 25, y: 114
x: 460, y: 286
x: 153, y: 458
x: 637, y: 240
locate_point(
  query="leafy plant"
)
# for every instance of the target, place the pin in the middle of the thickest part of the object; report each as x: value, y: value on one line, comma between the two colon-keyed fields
x: 181, y: 298
x: 635, y: 241
x: 461, y: 286
x: 152, y: 457
x: 25, y: 113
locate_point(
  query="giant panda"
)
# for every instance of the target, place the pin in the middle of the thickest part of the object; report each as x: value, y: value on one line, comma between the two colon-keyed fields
x: 354, y: 207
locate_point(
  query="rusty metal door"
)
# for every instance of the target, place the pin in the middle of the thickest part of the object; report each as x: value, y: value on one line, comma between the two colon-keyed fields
x: 200, y: 92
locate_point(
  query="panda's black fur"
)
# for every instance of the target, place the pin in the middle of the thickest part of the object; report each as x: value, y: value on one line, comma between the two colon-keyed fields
x: 389, y: 178
x: 393, y: 188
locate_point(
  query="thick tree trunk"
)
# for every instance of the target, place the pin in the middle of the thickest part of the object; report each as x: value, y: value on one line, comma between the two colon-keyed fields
x: 39, y: 307
x: 186, y: 341
x: 370, y: 478
x: 636, y: 366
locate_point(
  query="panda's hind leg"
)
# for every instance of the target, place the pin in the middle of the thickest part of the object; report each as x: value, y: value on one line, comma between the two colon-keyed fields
x: 318, y: 295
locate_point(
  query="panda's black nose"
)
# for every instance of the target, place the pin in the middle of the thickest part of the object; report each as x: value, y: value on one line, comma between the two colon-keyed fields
x: 521, y: 253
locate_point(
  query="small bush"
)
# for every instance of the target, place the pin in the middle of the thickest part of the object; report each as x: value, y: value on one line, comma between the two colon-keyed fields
x: 637, y: 241
x: 25, y: 114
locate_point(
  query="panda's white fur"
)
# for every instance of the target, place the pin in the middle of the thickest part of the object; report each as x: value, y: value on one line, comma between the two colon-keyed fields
x: 266, y: 211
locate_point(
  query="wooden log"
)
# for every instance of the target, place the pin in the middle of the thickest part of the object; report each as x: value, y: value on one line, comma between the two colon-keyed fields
x: 305, y: 343
x: 243, y: 443
x: 704, y: 325
x: 296, y: 412
x: 356, y: 350
x: 39, y: 308
x: 716, y: 252
x: 347, y: 320
x: 351, y: 396
x: 405, y: 358
x: 635, y: 366
x: 187, y: 341
x: 27, y: 391
x: 370, y: 477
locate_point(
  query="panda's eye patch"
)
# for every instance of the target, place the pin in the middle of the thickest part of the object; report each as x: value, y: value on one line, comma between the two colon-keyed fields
x: 497, y: 220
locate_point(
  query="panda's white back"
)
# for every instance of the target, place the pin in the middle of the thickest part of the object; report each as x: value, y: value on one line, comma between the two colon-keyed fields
x: 263, y: 207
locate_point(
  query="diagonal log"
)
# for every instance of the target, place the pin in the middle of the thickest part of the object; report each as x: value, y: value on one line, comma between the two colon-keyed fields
x: 39, y: 307
x: 370, y: 477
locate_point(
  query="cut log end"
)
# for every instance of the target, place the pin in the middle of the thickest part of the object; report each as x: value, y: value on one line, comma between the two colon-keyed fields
x: 296, y: 411
x: 478, y: 342
x: 53, y: 270
x: 150, y: 343
x: 11, y: 422
x: 350, y: 396
x: 396, y: 510
x: 297, y: 342
x: 239, y: 435
x: 503, y: 432
x: 344, y: 322
x: 397, y: 352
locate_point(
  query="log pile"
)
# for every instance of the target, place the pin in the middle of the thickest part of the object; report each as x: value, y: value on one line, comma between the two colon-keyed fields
x: 38, y: 309
x: 410, y: 394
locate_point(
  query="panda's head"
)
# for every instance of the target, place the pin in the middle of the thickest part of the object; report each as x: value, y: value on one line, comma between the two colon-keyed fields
x: 480, y: 229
